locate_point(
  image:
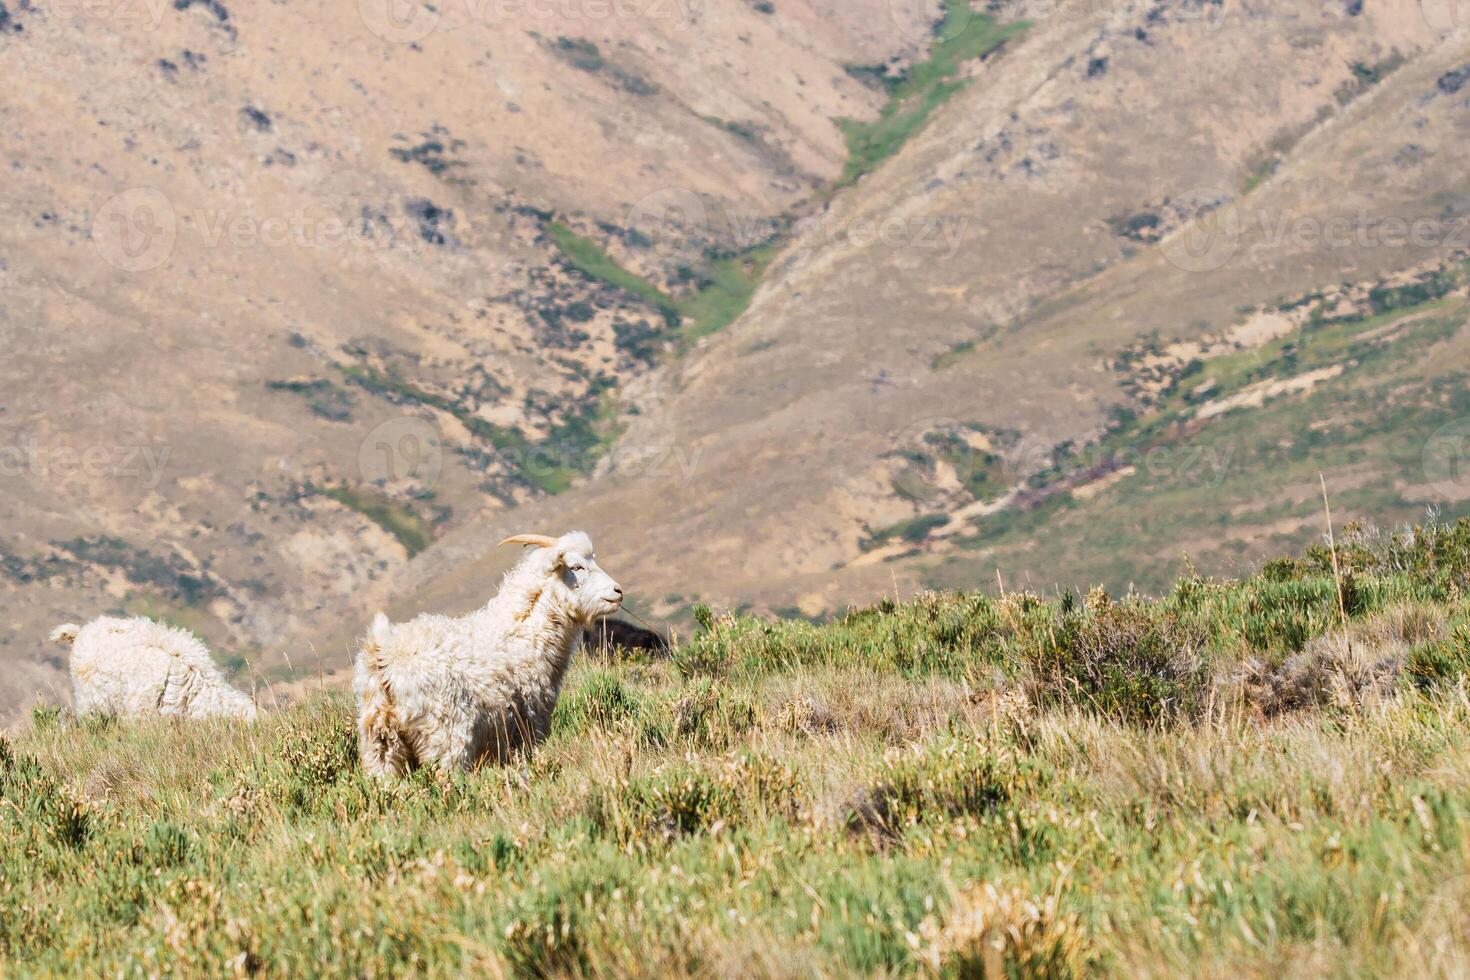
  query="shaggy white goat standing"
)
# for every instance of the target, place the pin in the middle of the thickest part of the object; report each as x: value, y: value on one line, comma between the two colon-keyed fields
x: 455, y: 693
x: 136, y: 667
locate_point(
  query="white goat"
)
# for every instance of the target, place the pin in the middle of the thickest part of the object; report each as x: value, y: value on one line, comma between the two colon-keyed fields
x: 455, y: 693
x: 136, y: 667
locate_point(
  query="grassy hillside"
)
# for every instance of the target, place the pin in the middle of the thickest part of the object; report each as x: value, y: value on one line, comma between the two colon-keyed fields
x: 1224, y: 461
x: 1242, y: 776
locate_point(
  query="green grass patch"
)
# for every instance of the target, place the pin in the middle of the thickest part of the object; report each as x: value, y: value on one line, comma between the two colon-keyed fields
x: 552, y: 464
x: 725, y: 292
x: 963, y: 35
x: 720, y: 295
x: 407, y: 527
x: 724, y: 289
x: 1200, y: 483
x: 959, y: 785
x: 589, y: 258
x: 953, y: 356
x: 912, y: 531
x: 1261, y: 172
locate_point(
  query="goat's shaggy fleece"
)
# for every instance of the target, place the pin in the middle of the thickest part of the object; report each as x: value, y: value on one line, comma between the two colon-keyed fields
x: 455, y: 693
x: 136, y: 667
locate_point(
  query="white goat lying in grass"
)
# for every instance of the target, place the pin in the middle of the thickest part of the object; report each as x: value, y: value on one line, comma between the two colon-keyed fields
x: 136, y: 667
x: 455, y: 693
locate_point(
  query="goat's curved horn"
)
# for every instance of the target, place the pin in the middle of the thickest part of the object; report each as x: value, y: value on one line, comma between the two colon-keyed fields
x: 537, y: 540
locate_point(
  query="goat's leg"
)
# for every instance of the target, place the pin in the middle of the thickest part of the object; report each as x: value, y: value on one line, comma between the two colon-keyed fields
x: 456, y: 747
x: 382, y: 744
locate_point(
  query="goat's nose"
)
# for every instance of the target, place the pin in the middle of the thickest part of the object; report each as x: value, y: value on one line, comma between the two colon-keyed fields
x: 618, y: 591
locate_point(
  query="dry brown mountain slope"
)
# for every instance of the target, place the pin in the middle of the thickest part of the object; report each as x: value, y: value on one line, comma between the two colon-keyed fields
x: 327, y: 323
x: 874, y: 342
x: 277, y: 291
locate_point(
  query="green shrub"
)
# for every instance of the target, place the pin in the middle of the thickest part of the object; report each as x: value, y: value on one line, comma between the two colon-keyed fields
x: 945, y: 780
x: 601, y: 700
x: 37, y: 814
x: 710, y: 716
x: 1126, y: 660
x: 1434, y: 663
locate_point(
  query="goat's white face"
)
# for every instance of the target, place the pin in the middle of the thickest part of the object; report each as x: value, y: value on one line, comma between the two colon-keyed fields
x: 594, y: 594
x: 588, y: 593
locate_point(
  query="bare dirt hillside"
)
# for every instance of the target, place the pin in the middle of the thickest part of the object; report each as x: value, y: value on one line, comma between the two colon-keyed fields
x: 280, y: 291
x: 900, y: 409
x: 307, y: 306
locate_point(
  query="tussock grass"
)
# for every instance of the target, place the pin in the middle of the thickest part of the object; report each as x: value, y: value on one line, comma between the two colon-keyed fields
x: 960, y: 785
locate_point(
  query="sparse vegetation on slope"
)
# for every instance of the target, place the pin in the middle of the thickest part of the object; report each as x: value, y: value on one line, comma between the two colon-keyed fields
x: 411, y: 530
x: 1238, y: 777
x: 724, y: 290
x: 590, y: 259
x: 718, y: 298
x: 961, y: 36
x: 550, y: 464
x: 325, y: 399
x: 1357, y: 389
